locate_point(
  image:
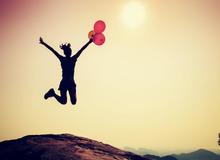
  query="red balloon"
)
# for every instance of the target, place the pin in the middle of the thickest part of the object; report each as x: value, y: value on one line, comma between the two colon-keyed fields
x: 99, y: 26
x: 99, y: 39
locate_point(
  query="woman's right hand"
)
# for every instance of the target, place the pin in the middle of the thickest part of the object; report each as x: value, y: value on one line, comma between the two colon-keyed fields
x: 41, y: 41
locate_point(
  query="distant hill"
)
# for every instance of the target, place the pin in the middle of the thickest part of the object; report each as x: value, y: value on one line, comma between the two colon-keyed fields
x: 200, y: 154
x: 141, y: 151
x: 153, y: 157
x: 61, y: 147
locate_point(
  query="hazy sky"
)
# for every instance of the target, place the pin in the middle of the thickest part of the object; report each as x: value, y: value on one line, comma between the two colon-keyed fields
x: 155, y: 83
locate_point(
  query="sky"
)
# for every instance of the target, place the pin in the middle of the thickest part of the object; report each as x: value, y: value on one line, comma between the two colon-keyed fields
x: 155, y: 83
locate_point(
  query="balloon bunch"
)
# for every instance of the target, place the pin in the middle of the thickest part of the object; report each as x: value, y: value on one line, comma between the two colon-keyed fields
x: 96, y: 34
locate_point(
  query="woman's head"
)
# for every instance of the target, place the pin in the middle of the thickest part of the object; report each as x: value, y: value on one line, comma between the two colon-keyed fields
x: 66, y: 49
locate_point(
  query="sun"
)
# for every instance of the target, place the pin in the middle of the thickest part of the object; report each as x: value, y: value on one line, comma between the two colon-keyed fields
x: 133, y: 14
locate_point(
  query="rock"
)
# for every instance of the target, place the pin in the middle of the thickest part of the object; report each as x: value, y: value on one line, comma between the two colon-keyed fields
x: 61, y: 147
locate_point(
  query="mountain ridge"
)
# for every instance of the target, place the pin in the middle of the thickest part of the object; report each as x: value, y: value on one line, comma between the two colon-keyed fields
x: 200, y: 154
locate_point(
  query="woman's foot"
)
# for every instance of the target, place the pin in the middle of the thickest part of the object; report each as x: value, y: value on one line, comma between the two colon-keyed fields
x: 50, y: 93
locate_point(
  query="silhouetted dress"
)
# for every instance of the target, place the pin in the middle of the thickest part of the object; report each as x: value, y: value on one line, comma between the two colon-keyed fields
x: 68, y: 66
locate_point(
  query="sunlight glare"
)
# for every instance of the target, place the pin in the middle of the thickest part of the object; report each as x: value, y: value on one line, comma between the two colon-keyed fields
x: 133, y: 14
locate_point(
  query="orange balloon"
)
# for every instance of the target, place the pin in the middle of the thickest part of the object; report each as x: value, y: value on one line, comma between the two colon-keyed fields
x: 91, y: 34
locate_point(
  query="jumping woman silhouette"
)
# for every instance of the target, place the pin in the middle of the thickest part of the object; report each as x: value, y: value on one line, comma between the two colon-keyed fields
x: 68, y: 65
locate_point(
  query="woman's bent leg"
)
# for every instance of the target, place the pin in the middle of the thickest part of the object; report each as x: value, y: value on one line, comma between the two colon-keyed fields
x: 62, y: 98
